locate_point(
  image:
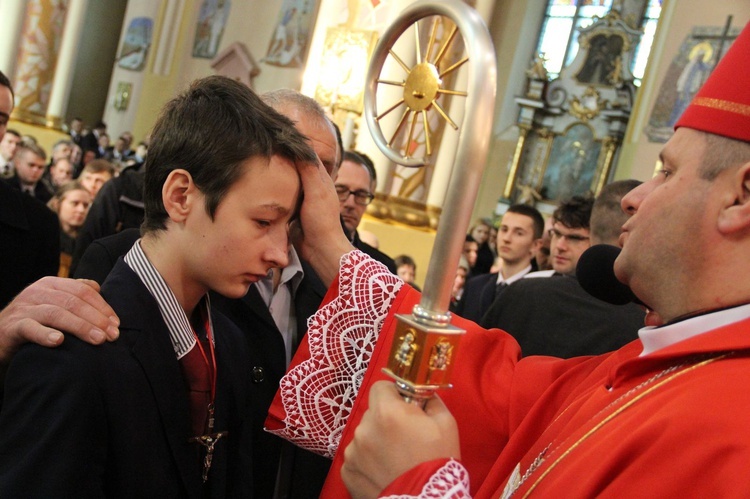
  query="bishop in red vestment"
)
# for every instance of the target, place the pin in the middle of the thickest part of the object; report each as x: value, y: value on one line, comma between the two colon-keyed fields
x: 661, y: 417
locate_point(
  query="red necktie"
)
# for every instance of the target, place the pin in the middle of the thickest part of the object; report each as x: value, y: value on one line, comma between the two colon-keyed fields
x: 198, y: 380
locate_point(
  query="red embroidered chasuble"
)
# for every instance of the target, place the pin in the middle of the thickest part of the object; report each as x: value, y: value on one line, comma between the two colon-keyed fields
x: 667, y: 425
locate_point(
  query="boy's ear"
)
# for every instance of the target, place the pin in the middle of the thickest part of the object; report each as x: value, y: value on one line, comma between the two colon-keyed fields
x: 178, y: 195
x: 735, y: 215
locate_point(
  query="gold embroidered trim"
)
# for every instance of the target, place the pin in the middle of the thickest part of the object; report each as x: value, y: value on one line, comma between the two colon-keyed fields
x: 616, y: 413
x: 723, y: 105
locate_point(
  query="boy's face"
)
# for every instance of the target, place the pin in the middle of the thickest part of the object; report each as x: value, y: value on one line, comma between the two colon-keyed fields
x: 61, y: 172
x: 406, y: 272
x: 249, y: 233
x: 93, y: 181
x: 29, y: 167
x: 515, y: 238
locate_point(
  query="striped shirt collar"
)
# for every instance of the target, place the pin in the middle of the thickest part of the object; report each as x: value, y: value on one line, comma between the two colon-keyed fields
x: 178, y: 324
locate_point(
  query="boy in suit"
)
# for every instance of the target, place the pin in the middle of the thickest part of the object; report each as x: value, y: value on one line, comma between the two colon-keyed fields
x: 162, y: 410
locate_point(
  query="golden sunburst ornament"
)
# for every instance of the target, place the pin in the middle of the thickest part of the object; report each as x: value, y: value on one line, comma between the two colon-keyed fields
x: 423, y: 86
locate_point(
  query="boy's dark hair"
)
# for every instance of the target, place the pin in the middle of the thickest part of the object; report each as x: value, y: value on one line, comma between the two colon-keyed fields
x: 209, y: 131
x: 99, y: 166
x: 401, y: 260
x: 5, y: 82
x: 533, y: 214
x: 607, y: 216
x: 23, y: 147
x: 574, y: 213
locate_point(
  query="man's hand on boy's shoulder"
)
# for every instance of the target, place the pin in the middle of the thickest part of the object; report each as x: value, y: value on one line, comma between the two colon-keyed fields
x: 51, y: 305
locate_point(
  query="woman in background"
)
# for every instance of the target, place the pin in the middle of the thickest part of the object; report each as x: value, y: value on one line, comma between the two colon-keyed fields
x: 71, y: 203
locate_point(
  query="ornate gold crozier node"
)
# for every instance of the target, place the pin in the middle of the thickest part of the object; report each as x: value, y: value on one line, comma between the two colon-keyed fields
x: 421, y: 358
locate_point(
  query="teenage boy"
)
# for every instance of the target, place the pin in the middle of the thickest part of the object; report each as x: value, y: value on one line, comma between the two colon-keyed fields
x: 161, y: 412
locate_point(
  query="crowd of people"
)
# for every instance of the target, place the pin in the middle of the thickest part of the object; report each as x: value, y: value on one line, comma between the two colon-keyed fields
x: 69, y: 182
x: 525, y: 247
x: 214, y: 321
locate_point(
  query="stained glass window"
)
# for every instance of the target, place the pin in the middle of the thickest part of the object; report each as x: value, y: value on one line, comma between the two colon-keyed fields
x: 559, y: 37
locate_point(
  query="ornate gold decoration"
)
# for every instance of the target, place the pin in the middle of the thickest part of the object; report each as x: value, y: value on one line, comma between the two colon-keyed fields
x: 527, y: 194
x: 346, y: 53
x: 421, y: 356
x: 723, y: 105
x: 404, y: 355
x: 423, y: 86
x: 612, y: 17
x: 440, y: 358
x: 588, y: 106
x: 537, y: 70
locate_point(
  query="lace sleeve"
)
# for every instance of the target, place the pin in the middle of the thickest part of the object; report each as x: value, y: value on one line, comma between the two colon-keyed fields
x: 317, y: 394
x: 450, y: 481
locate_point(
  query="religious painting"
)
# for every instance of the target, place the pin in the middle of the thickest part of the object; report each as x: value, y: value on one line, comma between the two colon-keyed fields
x: 531, y: 166
x: 572, y: 164
x: 603, y: 62
x: 291, y: 36
x: 699, y: 53
x: 210, y: 28
x: 134, y: 51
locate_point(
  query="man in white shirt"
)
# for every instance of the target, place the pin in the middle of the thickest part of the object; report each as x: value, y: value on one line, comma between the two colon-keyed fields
x: 518, y: 238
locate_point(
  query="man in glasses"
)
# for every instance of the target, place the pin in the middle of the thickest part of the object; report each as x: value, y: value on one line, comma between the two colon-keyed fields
x: 570, y: 233
x: 555, y: 316
x: 355, y: 185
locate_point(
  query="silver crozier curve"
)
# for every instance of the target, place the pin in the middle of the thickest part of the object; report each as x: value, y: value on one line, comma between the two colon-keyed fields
x: 471, y: 153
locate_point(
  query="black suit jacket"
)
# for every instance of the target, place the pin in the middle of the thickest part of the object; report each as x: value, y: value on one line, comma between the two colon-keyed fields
x: 118, y: 206
x: 555, y: 316
x: 478, y: 295
x: 102, y: 254
x: 265, y: 358
x: 29, y: 242
x: 113, y: 420
x: 90, y: 142
x: 373, y: 252
x: 304, y: 472
x: 41, y: 192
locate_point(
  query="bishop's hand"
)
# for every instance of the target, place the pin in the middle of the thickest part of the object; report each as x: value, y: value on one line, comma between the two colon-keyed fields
x: 393, y: 437
x: 318, y: 236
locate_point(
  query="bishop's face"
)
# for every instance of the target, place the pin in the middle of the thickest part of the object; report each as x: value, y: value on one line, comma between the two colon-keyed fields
x: 671, y: 228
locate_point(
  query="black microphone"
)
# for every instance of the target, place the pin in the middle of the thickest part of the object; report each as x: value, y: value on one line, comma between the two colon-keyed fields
x: 596, y: 275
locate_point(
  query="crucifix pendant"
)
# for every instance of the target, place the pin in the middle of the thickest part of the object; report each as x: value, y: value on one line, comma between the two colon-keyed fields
x: 209, y: 442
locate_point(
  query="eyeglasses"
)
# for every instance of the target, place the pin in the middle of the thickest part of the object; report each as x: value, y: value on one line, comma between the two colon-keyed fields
x: 361, y: 197
x: 572, y: 238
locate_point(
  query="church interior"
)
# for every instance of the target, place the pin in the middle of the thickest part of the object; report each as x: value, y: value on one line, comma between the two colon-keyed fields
x: 586, y: 91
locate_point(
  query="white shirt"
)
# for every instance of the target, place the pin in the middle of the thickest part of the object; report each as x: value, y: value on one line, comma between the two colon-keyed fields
x: 281, y: 301
x: 180, y: 331
x: 510, y: 280
x: 656, y: 338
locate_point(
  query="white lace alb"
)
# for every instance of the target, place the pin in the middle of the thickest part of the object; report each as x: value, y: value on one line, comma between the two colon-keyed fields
x: 318, y: 394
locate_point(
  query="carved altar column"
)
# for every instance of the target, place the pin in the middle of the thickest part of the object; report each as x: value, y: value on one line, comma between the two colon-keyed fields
x: 12, y: 14
x: 37, y: 58
x: 63, y: 78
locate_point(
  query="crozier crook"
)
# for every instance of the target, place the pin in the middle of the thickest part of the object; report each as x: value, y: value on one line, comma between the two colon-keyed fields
x: 425, y: 341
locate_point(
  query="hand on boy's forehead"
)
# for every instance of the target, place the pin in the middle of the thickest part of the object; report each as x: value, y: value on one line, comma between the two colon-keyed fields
x: 321, y: 136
